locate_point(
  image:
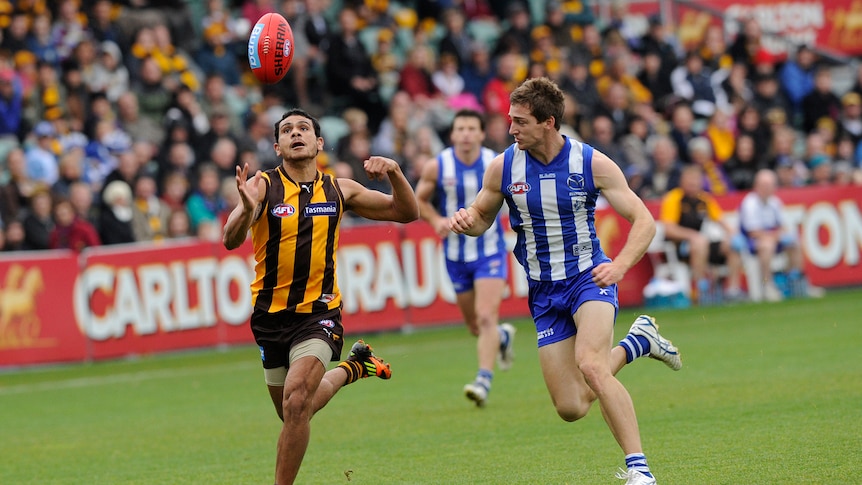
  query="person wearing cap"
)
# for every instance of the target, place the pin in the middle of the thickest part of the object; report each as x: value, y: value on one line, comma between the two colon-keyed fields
x: 115, y: 216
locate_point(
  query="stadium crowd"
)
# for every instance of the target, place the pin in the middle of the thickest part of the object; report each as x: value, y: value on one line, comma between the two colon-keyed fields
x: 122, y: 121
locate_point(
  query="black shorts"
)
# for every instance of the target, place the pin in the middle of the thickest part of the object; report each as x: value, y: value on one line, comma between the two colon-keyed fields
x: 716, y: 257
x: 276, y: 333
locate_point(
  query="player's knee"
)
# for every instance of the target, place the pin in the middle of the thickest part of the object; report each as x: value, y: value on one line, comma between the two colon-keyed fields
x: 595, y: 375
x: 572, y: 411
x: 296, y: 405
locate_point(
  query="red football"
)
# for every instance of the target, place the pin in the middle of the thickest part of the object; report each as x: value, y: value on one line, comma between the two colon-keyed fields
x: 270, y: 48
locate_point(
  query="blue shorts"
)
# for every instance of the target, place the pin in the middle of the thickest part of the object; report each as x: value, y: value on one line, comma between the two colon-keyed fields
x: 554, y: 303
x: 786, y: 240
x: 463, y: 274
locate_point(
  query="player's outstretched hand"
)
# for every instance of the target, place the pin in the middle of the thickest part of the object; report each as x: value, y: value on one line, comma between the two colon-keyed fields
x: 607, y: 274
x: 461, y: 221
x: 248, y: 188
x: 378, y: 168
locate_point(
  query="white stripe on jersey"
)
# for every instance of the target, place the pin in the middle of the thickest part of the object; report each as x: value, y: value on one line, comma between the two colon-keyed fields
x: 576, y: 165
x: 447, y: 161
x: 554, y: 230
x: 471, y: 188
x: 519, y: 172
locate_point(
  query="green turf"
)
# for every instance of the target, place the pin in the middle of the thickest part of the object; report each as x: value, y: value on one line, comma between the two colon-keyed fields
x: 769, y: 393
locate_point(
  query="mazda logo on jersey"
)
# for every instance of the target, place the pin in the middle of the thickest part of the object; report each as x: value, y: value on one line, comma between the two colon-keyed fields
x: 517, y: 188
x: 575, y: 181
x: 283, y: 210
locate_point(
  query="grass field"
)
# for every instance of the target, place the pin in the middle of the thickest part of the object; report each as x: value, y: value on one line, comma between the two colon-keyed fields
x: 769, y: 393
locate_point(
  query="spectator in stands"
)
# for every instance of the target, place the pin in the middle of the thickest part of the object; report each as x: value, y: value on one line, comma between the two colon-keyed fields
x: 11, y: 103
x: 797, y: 78
x: 633, y: 143
x: 69, y: 29
x: 16, y: 192
x: 478, y: 71
x: 761, y: 216
x: 748, y: 42
x: 821, y: 101
x: 102, y: 24
x: 655, y: 77
x: 694, y: 82
x: 516, y: 38
x: 850, y: 123
x: 179, y: 225
x: 497, y: 135
x: 495, y: 96
x: 713, y: 49
x: 737, y: 86
x: 456, y: 41
x: 37, y: 220
x: 109, y: 74
x: 217, y: 51
x: 115, y: 216
x: 129, y: 119
x: 81, y: 197
x: 41, y: 156
x: 700, y: 153
x: 71, y: 231
x: 750, y: 122
x: 447, y: 81
x: 720, y: 131
x: 743, y: 165
x: 602, y: 139
x: 581, y: 85
x: 71, y: 169
x: 224, y: 155
x: 415, y: 76
x: 204, y: 204
x: 682, y: 129
x: 154, y: 98
x: 618, y: 71
x: 615, y: 105
x: 14, y: 236
x: 350, y: 75
x: 664, y: 170
x: 820, y: 170
x: 150, y: 215
x: 174, y: 189
x: 684, y: 210
x: 40, y: 41
x: 768, y: 95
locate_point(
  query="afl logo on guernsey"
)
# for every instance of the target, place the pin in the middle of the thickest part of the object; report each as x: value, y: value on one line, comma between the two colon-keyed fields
x: 283, y: 210
x: 517, y: 188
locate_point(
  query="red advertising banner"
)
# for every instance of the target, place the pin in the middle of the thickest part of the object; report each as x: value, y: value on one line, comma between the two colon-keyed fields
x: 116, y: 301
x: 164, y: 297
x: 835, y: 25
x: 36, y: 324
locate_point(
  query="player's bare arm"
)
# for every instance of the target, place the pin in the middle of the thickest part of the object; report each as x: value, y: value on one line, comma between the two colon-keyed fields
x: 401, y: 206
x: 477, y: 218
x: 425, y: 193
x: 251, y: 192
x: 610, y: 179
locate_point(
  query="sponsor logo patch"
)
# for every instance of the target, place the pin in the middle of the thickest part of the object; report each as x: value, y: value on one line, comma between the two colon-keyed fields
x: 517, y: 188
x: 575, y: 182
x: 283, y: 210
x: 321, y: 209
x: 327, y: 323
x: 253, y: 54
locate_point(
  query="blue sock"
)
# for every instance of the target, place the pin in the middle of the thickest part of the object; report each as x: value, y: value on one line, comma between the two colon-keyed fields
x: 794, y: 274
x: 635, y: 346
x: 504, y: 337
x: 483, y: 378
x: 638, y: 462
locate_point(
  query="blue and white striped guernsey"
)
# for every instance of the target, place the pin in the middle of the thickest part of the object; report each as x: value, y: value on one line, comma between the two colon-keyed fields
x: 457, y: 186
x: 552, y: 210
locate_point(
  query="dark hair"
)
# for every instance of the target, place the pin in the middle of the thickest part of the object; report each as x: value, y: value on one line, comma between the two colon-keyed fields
x: 297, y: 112
x: 468, y: 113
x: 543, y: 97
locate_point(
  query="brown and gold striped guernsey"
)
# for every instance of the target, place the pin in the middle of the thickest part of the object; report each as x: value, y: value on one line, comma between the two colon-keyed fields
x: 295, y: 238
